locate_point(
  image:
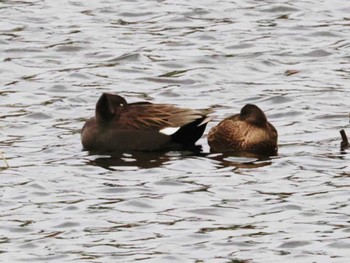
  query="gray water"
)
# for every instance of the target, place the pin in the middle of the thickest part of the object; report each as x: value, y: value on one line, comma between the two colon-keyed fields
x: 60, y: 204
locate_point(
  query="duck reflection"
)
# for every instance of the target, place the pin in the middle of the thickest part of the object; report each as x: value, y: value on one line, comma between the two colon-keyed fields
x: 147, y: 160
x: 140, y: 159
x: 241, y: 159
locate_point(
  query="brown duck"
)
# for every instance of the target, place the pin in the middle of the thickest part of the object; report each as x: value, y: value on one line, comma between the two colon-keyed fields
x: 141, y: 126
x: 248, y: 131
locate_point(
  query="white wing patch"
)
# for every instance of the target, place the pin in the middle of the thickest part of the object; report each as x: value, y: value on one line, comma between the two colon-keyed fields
x: 169, y: 130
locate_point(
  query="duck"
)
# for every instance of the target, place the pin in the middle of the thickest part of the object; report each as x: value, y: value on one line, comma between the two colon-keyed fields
x: 141, y: 126
x: 249, y: 131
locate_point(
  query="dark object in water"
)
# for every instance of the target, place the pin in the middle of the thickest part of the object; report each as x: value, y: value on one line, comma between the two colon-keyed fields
x: 141, y: 126
x: 345, y: 142
x: 248, y: 131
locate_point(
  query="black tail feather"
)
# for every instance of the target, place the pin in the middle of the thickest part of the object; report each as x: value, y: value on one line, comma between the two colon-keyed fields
x: 188, y: 134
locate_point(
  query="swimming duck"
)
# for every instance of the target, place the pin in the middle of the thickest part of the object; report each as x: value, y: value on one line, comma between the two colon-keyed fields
x: 141, y: 126
x: 248, y: 131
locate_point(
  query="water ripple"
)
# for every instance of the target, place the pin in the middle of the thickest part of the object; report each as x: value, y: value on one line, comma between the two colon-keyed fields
x: 60, y: 203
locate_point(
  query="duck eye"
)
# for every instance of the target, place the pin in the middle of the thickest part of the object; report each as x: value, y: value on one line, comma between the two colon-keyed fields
x: 121, y: 105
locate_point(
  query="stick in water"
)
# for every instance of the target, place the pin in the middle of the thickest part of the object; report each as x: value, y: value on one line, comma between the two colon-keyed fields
x: 344, y: 143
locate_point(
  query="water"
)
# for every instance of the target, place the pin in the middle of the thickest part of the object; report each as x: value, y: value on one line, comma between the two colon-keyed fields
x: 59, y: 204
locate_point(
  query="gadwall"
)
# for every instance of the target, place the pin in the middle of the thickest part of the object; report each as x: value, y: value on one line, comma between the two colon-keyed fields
x: 248, y: 131
x: 141, y: 126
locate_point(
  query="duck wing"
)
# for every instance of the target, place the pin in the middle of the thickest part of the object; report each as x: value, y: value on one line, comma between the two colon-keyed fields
x: 148, y: 116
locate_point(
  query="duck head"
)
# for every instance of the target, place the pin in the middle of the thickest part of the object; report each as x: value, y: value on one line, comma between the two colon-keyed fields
x: 253, y: 114
x: 109, y: 106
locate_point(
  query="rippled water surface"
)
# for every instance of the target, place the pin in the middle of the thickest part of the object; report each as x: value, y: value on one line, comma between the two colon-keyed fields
x: 60, y: 204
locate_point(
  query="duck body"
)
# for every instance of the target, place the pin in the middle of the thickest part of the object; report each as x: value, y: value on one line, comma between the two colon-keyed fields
x: 141, y: 126
x: 248, y: 131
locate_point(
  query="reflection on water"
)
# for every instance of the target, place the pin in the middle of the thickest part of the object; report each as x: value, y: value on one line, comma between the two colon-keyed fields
x: 136, y: 159
x: 146, y: 160
x: 62, y: 204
